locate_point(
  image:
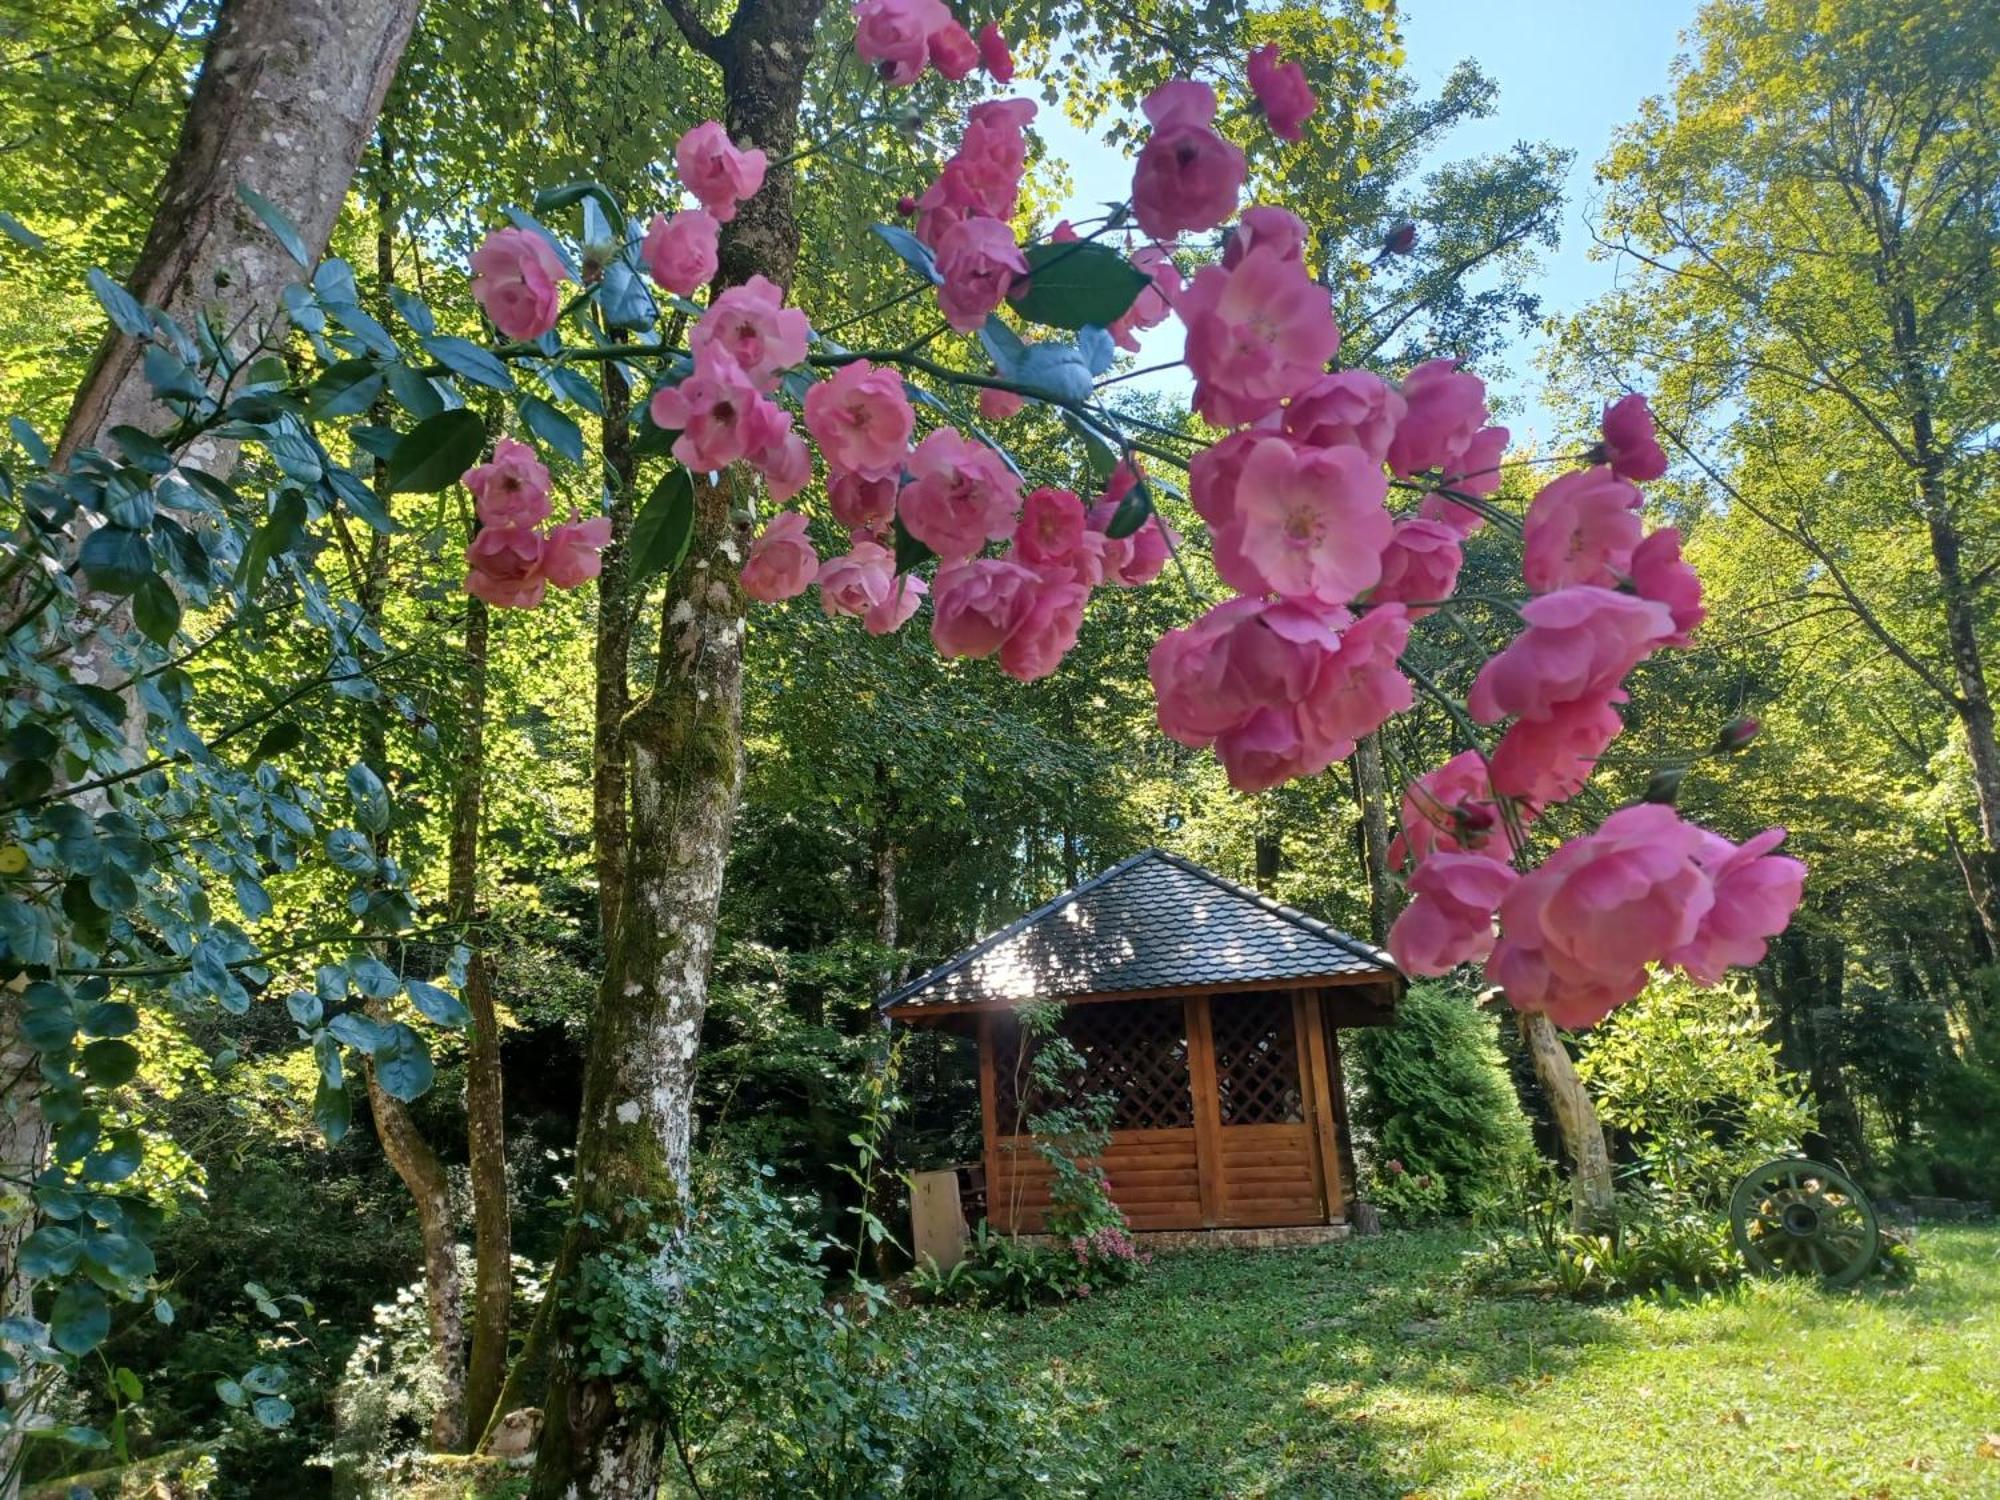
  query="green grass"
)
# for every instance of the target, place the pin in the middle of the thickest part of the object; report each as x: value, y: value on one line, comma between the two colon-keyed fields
x: 1367, y: 1369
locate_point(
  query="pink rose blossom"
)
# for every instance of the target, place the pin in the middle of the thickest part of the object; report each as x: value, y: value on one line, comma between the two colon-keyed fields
x: 511, y: 488
x: 856, y: 582
x: 1309, y: 522
x: 1150, y: 308
x: 1419, y: 566
x: 1444, y: 408
x: 516, y: 278
x: 1450, y: 920
x: 681, y: 252
x: 504, y: 567
x: 572, y: 553
x: 895, y: 36
x: 1187, y: 177
x: 1361, y: 686
x: 1545, y: 761
x: 1350, y: 407
x: 979, y: 262
x: 782, y: 561
x: 1255, y: 335
x: 715, y: 171
x: 862, y: 504
x: 996, y: 405
x: 753, y: 327
x: 1473, y: 475
x: 1659, y: 573
x: 994, y: 55
x: 1268, y: 228
x: 1047, y: 629
x: 983, y: 177
x: 1051, y: 529
x: 719, y: 414
x: 1756, y: 893
x: 1579, y: 645
x: 784, y: 460
x: 953, y: 52
x: 862, y: 420
x: 1130, y: 561
x: 1631, y: 445
x: 961, y: 495
x: 1450, y: 809
x: 1580, y: 528
x: 977, y: 605
x: 1281, y: 92
x: 906, y: 593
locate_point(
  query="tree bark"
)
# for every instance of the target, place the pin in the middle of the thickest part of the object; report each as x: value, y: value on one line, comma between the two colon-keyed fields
x: 1371, y: 792
x: 287, y: 98
x: 24, y: 1142
x: 1593, y: 1198
x: 616, y: 610
x: 684, y: 744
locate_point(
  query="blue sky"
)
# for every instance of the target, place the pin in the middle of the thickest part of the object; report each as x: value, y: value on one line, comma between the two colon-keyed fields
x: 1569, y: 71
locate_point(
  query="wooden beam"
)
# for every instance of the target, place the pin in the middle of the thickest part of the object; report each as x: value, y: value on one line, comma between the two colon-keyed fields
x: 1319, y: 1088
x: 989, y: 1114
x: 1349, y: 1177
x: 1207, y: 1110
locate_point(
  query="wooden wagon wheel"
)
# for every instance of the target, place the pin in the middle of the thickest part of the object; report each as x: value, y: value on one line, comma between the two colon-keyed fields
x: 1796, y: 1217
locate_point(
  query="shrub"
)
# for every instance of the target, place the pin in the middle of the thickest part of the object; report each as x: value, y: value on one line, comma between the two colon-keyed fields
x: 1433, y: 1094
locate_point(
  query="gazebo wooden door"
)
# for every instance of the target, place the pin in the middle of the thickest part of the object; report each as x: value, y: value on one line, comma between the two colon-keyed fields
x: 1258, y: 1065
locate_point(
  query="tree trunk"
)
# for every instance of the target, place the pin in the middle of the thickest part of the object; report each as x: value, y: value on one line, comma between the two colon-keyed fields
x: 1593, y: 1199
x: 1975, y: 713
x: 1371, y: 791
x: 287, y: 98
x: 685, y: 749
x: 1269, y: 855
x: 24, y: 1141
x: 616, y: 609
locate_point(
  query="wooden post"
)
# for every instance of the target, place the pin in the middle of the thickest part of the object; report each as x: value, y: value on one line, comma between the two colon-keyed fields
x: 1350, y: 1177
x: 1320, y: 1092
x: 1207, y: 1110
x: 989, y: 1121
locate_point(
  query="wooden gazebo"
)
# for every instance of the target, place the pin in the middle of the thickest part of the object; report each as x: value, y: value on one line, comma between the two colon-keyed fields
x: 1210, y: 1013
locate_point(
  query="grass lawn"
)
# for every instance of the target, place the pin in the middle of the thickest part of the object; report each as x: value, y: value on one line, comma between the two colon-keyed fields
x: 1365, y: 1369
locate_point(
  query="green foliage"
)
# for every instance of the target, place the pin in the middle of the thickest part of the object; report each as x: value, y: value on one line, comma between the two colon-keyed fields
x: 1434, y: 1104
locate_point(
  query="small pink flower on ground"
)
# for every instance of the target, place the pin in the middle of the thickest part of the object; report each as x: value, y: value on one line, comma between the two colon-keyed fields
x: 572, y: 552
x: 1350, y: 407
x: 961, y: 495
x: 977, y: 605
x: 996, y: 405
x: 1659, y: 573
x: 1281, y: 92
x: 504, y: 567
x: 906, y: 592
x: 516, y: 278
x: 681, y: 252
x: 953, y: 52
x: 1579, y: 645
x: 1580, y: 528
x: 862, y: 420
x: 979, y: 262
x: 1255, y: 335
x: 1187, y: 177
x: 1309, y: 523
x: 782, y: 561
x: 894, y: 35
x: 994, y: 54
x: 1450, y: 918
x: 1444, y: 409
x: 752, y: 326
x: 1419, y: 566
x: 862, y: 504
x: 511, y: 488
x: 716, y: 171
x: 1631, y: 443
x: 853, y: 584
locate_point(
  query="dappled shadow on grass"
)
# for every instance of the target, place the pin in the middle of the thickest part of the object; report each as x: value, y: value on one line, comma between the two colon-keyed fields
x: 1322, y: 1372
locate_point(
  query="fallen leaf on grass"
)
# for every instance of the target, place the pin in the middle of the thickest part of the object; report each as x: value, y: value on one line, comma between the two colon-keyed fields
x: 1988, y: 1446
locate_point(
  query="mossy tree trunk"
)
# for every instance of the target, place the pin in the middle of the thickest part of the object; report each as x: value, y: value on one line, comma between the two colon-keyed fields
x: 1593, y: 1197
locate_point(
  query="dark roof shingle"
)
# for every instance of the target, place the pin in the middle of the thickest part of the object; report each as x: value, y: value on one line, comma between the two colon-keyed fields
x: 1154, y: 921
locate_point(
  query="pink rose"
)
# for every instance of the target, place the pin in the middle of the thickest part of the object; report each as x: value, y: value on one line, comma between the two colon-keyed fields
x: 572, y: 553
x: 855, y: 583
x: 1351, y: 407
x: 784, y: 460
x: 782, y: 561
x: 1631, y: 445
x: 752, y: 326
x: 511, y: 488
x: 862, y: 504
x: 895, y: 35
x: 681, y: 252
x: 715, y: 171
x: 905, y: 594
x: 1281, y: 91
x: 1659, y: 573
x: 979, y: 261
x: 1579, y: 645
x: 1130, y: 561
x: 862, y: 420
x: 1450, y: 920
x: 1309, y: 522
x: 984, y: 175
x: 996, y: 405
x: 977, y: 605
x: 516, y: 278
x: 953, y: 52
x: 1051, y: 528
x: 1545, y: 761
x: 1187, y: 177
x: 1150, y: 308
x: 1419, y: 566
x: 504, y: 567
x: 1473, y: 475
x: 961, y: 495
x: 1450, y: 809
x: 1756, y: 893
x: 719, y: 415
x: 1580, y: 528
x: 1361, y: 685
x: 994, y: 54
x: 1443, y: 409
x: 1255, y: 335
x: 1047, y: 628
x: 1265, y: 227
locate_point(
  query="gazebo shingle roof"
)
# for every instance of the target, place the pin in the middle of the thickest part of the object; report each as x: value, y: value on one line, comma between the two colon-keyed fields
x: 1151, y: 922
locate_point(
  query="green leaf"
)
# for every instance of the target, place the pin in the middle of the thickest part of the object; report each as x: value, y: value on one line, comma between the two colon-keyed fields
x: 333, y: 1112
x: 272, y: 1412
x: 115, y: 559
x: 81, y: 1320
x: 1132, y: 512
x: 279, y: 739
x: 573, y: 388
x: 370, y: 797
x: 1075, y: 284
x: 346, y: 388
x: 111, y: 1018
x: 142, y: 449
x: 52, y: 1250
x: 30, y: 441
x: 111, y: 1063
x: 912, y: 251
x: 439, y: 1005
x: 463, y: 357
x: 264, y: 1380
x: 278, y: 535
x: 157, y: 609
x: 664, y: 526
x: 413, y: 312
x: 230, y: 1392
x: 275, y: 221
x: 436, y: 452
x: 555, y: 199
x: 127, y: 1381
x: 121, y: 305
x: 910, y: 552
x: 403, y: 1065
x: 553, y: 428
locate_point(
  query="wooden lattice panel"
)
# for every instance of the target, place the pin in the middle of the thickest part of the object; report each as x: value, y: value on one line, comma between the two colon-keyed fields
x: 1135, y: 1050
x: 1256, y: 1060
